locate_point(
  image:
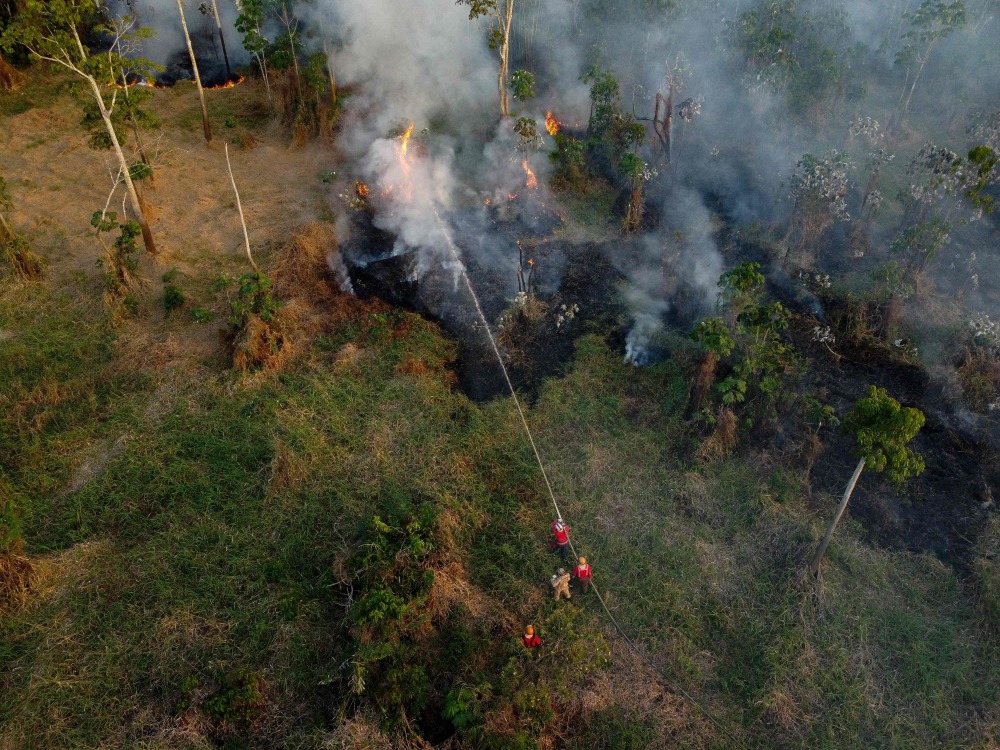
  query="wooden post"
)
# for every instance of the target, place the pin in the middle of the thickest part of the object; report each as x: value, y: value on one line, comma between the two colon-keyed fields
x: 821, y: 550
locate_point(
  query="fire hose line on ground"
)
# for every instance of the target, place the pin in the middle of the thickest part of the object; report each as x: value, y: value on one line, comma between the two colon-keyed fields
x: 552, y: 497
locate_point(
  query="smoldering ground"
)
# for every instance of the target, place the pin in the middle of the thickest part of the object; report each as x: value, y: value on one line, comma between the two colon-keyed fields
x: 425, y: 63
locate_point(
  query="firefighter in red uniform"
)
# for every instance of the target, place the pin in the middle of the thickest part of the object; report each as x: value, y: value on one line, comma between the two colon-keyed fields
x: 582, y: 573
x: 560, y: 537
x: 530, y: 639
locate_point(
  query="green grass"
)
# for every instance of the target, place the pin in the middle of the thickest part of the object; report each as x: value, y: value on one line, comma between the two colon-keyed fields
x: 39, y: 91
x: 227, y: 109
x: 61, y: 390
x: 210, y: 553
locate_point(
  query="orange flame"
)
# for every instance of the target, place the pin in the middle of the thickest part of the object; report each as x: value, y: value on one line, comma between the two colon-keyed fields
x: 551, y: 124
x: 227, y: 84
x: 402, y: 149
x: 361, y: 189
x: 532, y: 181
x: 406, y: 141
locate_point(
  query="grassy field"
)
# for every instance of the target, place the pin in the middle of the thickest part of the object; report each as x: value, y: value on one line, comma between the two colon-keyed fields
x: 343, y: 553
x: 211, y: 546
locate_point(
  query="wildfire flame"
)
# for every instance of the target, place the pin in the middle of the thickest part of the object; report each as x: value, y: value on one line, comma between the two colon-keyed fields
x: 227, y: 84
x: 532, y: 181
x: 551, y: 124
x: 361, y: 189
x: 402, y: 150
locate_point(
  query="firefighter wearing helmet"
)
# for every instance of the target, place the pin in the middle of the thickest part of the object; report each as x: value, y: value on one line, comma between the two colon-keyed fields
x: 530, y: 639
x: 583, y: 574
x: 560, y: 537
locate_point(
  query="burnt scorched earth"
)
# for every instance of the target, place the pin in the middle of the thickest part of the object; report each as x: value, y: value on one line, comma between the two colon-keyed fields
x: 534, y: 342
x: 941, y: 511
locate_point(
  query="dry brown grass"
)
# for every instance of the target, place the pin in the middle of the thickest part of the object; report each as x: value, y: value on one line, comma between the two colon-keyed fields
x: 301, y: 267
x: 312, y: 304
x: 722, y: 440
x: 10, y: 79
x: 261, y: 345
x: 16, y: 574
x: 979, y: 375
x: 635, y: 689
x: 288, y: 470
x: 25, y: 264
x: 247, y: 141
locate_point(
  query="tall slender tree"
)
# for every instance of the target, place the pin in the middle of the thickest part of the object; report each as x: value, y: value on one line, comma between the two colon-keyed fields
x: 54, y: 30
x: 205, y: 124
x: 883, y: 430
x: 250, y: 23
x: 501, y: 15
x: 929, y: 24
x: 222, y: 39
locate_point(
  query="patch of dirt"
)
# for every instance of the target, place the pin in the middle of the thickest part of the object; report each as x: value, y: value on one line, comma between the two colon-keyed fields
x: 94, y: 465
x: 57, y: 182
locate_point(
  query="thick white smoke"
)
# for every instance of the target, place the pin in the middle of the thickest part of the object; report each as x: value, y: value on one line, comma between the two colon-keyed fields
x: 689, y: 253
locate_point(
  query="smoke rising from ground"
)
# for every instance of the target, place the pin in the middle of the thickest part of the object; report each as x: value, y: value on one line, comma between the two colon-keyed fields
x: 423, y: 61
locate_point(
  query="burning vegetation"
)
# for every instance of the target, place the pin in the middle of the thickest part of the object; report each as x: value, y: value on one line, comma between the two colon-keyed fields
x: 733, y: 319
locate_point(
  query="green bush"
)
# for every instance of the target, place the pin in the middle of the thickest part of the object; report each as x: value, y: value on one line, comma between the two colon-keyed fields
x: 173, y: 297
x: 238, y: 700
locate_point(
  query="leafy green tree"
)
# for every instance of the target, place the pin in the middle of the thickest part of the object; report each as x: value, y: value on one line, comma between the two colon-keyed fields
x: 883, y: 430
x: 793, y: 48
x: 921, y: 243
x: 500, y: 14
x: 931, y: 22
x: 717, y: 340
x: 122, y: 280
x: 568, y: 160
x: 605, y: 100
x: 637, y: 173
x: 54, y: 30
x: 522, y: 84
x: 250, y: 23
x: 749, y: 335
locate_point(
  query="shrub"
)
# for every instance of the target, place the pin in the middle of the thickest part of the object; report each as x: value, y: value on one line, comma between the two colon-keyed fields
x: 239, y: 699
x: 173, y: 297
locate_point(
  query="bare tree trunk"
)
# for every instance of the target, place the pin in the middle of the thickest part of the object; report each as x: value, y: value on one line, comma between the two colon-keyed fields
x: 916, y: 77
x: 135, y: 126
x: 262, y: 62
x: 286, y: 19
x: 329, y: 68
x: 821, y: 550
x: 239, y: 207
x: 6, y: 228
x: 222, y: 40
x: 506, y: 21
x: 147, y: 234
x: 206, y: 126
